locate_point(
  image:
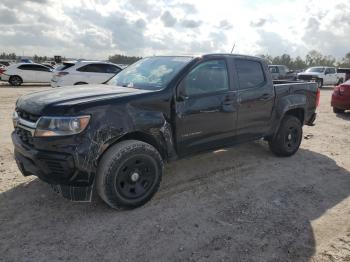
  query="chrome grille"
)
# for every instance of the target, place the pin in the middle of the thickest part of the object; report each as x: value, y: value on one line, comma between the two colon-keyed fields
x: 25, y: 136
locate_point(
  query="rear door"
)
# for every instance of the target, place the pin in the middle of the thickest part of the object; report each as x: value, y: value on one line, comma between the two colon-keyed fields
x: 255, y: 98
x: 27, y: 72
x: 205, y: 107
x: 43, y: 74
x: 332, y: 77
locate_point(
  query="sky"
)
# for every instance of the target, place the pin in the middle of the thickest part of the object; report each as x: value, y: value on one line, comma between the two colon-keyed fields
x: 96, y: 29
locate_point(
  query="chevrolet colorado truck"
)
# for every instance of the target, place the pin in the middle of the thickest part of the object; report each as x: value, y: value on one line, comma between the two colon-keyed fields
x: 115, y: 137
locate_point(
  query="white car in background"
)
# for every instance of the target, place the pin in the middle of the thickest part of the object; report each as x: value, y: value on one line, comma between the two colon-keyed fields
x: 83, y: 72
x: 26, y: 73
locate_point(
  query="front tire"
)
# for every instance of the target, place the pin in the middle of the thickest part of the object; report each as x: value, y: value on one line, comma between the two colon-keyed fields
x: 129, y: 174
x: 288, y: 138
x: 15, y: 80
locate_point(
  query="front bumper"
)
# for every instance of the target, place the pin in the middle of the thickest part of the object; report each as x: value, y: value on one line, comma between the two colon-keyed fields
x: 5, y: 77
x: 56, y: 168
x: 307, y: 78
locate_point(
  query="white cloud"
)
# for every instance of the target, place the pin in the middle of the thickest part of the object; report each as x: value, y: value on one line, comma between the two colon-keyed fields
x: 98, y: 28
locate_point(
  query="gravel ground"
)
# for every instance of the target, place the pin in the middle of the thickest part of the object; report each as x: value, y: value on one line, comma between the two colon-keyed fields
x: 236, y: 204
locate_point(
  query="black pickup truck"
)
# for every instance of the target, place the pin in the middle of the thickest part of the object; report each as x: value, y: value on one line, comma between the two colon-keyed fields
x: 115, y: 137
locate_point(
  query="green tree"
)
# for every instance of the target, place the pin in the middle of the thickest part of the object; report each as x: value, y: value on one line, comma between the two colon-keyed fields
x: 345, y: 62
x: 122, y: 59
x: 315, y: 58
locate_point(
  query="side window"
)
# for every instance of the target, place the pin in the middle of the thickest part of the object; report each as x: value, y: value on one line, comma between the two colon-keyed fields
x: 91, y: 68
x: 330, y: 71
x: 208, y: 77
x: 41, y: 68
x: 273, y: 69
x: 110, y: 69
x: 34, y: 68
x: 250, y: 73
x: 26, y: 67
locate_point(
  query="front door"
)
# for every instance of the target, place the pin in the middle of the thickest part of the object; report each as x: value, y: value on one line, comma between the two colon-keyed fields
x: 205, y: 108
x: 331, y: 76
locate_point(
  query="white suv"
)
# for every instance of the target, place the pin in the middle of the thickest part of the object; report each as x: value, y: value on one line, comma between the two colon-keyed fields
x: 83, y: 72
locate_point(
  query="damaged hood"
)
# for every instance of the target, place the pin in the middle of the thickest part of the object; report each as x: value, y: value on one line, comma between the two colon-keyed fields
x: 35, y: 103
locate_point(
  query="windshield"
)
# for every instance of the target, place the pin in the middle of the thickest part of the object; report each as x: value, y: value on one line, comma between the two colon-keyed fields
x: 316, y: 70
x: 151, y: 73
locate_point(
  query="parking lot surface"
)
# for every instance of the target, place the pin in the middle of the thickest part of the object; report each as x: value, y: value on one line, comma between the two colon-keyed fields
x: 234, y: 204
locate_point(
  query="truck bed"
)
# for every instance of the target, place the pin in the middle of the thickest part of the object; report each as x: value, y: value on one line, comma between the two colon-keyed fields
x: 305, y: 90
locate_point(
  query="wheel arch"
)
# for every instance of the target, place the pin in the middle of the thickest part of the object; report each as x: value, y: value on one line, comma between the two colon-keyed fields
x: 294, y: 104
x: 16, y: 76
x: 80, y: 83
x: 139, y: 136
x: 298, y: 112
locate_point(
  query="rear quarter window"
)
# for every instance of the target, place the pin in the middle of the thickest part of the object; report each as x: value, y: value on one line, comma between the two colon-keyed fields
x: 250, y: 74
x: 64, y: 66
x: 92, y: 68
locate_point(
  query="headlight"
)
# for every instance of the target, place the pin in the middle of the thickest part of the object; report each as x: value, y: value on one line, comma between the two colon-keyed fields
x: 61, y: 126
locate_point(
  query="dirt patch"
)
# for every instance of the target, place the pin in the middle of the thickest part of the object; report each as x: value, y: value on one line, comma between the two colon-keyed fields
x: 236, y: 204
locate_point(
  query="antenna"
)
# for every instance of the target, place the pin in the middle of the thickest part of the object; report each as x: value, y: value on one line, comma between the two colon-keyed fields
x: 233, y: 47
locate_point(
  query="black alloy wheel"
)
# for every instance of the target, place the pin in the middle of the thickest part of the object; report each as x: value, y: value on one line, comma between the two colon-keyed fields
x: 135, y: 177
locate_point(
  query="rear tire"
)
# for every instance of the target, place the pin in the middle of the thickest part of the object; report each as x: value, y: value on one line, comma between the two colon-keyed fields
x: 129, y: 174
x: 15, y: 80
x: 286, y: 141
x: 338, y: 110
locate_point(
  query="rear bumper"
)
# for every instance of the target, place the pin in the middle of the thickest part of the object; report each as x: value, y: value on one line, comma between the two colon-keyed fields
x: 57, y: 169
x: 311, y: 121
x: 341, y: 102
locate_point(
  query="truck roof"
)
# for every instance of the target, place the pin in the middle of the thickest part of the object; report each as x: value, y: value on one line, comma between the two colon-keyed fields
x: 214, y: 55
x: 232, y: 55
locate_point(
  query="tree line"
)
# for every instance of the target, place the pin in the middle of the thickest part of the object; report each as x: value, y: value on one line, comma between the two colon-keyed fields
x: 123, y: 59
x: 118, y: 59
x: 313, y: 58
